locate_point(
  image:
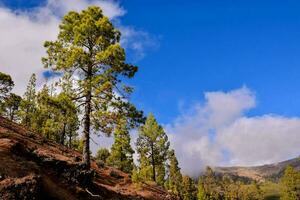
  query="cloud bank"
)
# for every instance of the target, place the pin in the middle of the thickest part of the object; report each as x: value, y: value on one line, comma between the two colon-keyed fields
x: 23, y: 33
x: 218, y: 132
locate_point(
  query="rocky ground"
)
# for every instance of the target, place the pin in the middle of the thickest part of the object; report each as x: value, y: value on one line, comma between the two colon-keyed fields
x: 32, y: 167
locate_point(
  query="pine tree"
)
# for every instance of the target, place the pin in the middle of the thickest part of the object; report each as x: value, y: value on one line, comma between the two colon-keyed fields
x: 161, y: 174
x: 68, y: 117
x: 46, y: 118
x: 211, y: 184
x: 201, y: 194
x: 152, y: 147
x: 6, y: 85
x: 121, y: 151
x: 71, y: 121
x: 10, y: 106
x: 135, y: 177
x: 145, y: 170
x: 174, y: 174
x: 189, y: 191
x: 88, y: 46
x: 251, y: 192
x: 291, y: 184
x: 55, y: 116
x: 102, y: 155
x: 226, y: 185
x: 28, y: 104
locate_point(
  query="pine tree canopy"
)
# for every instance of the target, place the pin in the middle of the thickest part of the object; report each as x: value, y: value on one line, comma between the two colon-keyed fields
x: 88, y: 47
x: 153, y: 146
x: 121, y: 155
x: 6, y: 85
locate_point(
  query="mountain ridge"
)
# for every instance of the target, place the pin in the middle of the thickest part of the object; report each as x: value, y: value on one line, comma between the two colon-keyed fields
x: 259, y: 173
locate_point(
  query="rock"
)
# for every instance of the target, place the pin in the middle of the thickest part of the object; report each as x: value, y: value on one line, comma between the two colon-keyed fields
x: 116, y: 174
x: 26, y: 188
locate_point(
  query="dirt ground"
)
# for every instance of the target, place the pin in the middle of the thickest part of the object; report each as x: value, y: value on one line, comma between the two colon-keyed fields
x: 32, y: 167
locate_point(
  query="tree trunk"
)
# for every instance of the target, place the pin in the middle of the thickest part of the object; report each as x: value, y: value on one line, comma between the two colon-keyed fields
x: 63, y: 134
x: 86, y: 132
x: 87, y: 122
x: 26, y: 117
x: 70, y: 141
x: 153, y: 164
x: 11, y: 113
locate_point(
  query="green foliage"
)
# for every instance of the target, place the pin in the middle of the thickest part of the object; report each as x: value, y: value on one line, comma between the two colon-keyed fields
x: 201, y: 194
x: 251, y: 192
x: 55, y: 116
x: 290, y: 184
x: 10, y: 107
x: 88, y: 47
x: 152, y: 147
x: 9, y: 102
x: 121, y: 151
x: 135, y: 177
x: 68, y: 117
x: 102, y: 155
x: 145, y: 169
x: 69, y: 110
x: 6, y: 85
x: 28, y: 104
x: 213, y: 187
x: 189, y: 190
x: 46, y: 116
x: 211, y: 184
x: 271, y: 190
x: 78, y: 144
x: 174, y: 181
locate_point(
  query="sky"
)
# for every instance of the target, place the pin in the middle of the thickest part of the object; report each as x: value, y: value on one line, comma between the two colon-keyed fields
x: 222, y: 77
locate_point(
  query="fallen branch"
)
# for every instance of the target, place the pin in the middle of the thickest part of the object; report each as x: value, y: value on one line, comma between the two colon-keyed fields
x: 93, y: 195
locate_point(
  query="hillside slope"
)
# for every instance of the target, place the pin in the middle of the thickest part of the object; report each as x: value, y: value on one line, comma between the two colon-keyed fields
x: 32, y: 167
x: 259, y: 173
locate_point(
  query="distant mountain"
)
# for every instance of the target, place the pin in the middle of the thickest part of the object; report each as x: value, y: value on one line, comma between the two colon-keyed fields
x: 259, y: 173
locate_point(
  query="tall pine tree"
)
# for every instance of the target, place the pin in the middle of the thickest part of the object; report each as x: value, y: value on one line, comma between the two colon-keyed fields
x: 68, y: 117
x: 69, y: 110
x: 121, y: 151
x: 88, y: 46
x: 152, y: 147
x: 174, y: 175
x: 46, y: 119
x: 28, y: 104
x: 189, y: 191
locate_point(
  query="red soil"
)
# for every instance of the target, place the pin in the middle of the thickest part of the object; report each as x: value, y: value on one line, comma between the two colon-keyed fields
x: 32, y: 167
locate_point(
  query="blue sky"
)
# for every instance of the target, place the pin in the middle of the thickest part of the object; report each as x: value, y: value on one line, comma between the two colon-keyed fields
x: 219, y: 45
x: 221, y: 76
x: 214, y: 45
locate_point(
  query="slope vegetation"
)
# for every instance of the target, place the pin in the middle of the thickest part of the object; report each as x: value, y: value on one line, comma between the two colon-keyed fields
x: 32, y: 167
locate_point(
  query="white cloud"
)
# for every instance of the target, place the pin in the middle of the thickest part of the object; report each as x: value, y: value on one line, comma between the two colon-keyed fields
x: 138, y: 41
x: 222, y: 108
x: 260, y: 140
x: 218, y: 132
x: 112, y: 9
x: 21, y: 46
x: 23, y: 33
